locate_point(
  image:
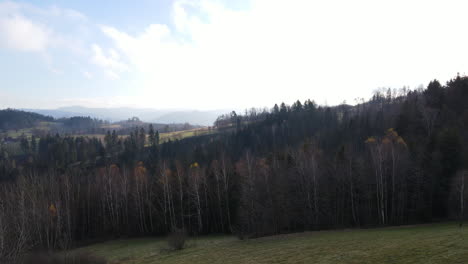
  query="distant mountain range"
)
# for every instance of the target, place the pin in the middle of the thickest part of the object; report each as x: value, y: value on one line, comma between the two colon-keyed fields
x: 194, y: 117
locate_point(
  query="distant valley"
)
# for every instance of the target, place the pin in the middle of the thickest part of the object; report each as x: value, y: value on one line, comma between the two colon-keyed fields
x: 166, y: 116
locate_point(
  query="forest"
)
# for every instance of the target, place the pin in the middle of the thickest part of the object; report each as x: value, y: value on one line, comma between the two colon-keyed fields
x: 18, y: 122
x: 398, y: 158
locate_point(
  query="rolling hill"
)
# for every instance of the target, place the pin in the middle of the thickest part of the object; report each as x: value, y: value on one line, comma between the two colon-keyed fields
x: 204, y: 118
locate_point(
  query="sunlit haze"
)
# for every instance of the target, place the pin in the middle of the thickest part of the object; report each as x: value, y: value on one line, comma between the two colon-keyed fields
x: 216, y: 54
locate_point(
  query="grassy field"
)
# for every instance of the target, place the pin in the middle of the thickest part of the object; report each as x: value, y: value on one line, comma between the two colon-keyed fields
x: 438, y: 243
x: 42, y: 126
x: 164, y: 137
x: 13, y: 148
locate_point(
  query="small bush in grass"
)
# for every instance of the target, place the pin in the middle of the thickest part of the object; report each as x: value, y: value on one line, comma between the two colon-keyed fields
x: 76, y: 258
x: 241, y: 232
x: 176, y: 239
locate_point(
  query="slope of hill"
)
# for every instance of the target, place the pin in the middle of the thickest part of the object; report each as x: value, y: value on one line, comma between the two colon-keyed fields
x: 16, y: 123
x: 437, y: 244
x: 15, y: 119
x: 399, y: 158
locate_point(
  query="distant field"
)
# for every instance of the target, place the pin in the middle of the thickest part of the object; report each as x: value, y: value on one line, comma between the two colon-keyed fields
x: 438, y: 243
x: 164, y: 137
x: 42, y: 126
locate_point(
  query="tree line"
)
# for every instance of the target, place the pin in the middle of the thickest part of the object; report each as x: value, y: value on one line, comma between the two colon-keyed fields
x: 398, y: 158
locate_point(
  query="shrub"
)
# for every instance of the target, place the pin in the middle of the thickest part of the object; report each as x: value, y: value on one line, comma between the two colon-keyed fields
x: 241, y: 232
x: 176, y: 239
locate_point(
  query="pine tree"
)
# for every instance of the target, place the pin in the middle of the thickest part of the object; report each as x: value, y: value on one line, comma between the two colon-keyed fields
x: 151, y: 136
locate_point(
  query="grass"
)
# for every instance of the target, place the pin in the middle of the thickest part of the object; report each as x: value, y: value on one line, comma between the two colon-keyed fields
x: 17, y: 133
x: 164, y: 137
x: 437, y: 243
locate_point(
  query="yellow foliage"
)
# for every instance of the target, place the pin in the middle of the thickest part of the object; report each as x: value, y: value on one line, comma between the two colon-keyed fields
x: 52, y: 210
x: 386, y: 141
x: 391, y: 133
x: 140, y: 173
x: 194, y: 165
x: 114, y: 169
x: 370, y: 140
x: 401, y: 141
x: 140, y: 170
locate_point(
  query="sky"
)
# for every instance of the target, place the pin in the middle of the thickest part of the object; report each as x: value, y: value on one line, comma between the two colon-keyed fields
x: 219, y: 54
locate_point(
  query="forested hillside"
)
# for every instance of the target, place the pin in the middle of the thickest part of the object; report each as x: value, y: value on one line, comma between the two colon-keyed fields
x: 15, y: 119
x: 398, y: 158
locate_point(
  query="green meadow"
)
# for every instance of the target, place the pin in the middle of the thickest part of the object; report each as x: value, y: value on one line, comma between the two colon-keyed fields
x: 435, y: 243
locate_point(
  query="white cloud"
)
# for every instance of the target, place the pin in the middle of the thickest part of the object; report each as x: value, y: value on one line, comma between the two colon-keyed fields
x: 111, y: 63
x: 25, y: 27
x: 87, y: 75
x: 210, y: 56
x: 46, y: 32
x: 20, y: 33
x: 56, y: 71
x: 62, y: 12
x: 112, y: 75
x: 281, y: 51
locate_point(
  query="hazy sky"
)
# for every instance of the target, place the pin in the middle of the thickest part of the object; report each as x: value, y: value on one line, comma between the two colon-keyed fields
x: 217, y: 54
